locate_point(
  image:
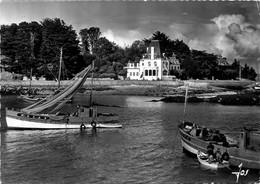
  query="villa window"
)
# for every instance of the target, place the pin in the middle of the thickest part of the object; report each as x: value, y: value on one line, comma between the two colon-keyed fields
x: 133, y: 73
x: 149, y: 63
x: 146, y: 72
x: 142, y: 64
x: 137, y: 73
x: 130, y: 73
x: 150, y: 72
x: 155, y: 64
x: 154, y: 72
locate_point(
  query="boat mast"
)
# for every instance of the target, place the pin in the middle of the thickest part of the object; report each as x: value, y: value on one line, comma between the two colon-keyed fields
x: 91, y: 89
x: 185, y: 102
x: 32, y: 58
x: 60, y: 68
x: 30, y: 81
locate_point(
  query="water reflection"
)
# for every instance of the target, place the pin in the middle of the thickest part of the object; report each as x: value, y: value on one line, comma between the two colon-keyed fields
x: 142, y: 102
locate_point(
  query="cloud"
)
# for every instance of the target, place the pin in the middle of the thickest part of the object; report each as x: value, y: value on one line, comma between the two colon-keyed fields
x: 122, y: 40
x: 229, y: 35
x: 241, y: 37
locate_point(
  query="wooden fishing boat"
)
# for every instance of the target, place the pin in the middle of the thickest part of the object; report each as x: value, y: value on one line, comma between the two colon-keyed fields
x: 46, y: 114
x: 245, y: 150
x: 203, y: 160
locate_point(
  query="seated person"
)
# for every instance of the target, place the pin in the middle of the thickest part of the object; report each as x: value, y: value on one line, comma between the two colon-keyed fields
x: 210, y: 149
x: 193, y: 131
x: 218, y: 155
x: 225, y: 156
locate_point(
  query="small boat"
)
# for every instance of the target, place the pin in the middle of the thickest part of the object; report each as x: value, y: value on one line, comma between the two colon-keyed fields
x: 31, y: 98
x: 35, y: 98
x: 46, y: 113
x: 245, y: 149
x: 204, y: 160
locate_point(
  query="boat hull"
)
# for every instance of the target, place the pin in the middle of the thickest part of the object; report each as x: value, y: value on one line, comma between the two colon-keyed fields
x: 16, y: 124
x: 16, y: 121
x: 250, y: 159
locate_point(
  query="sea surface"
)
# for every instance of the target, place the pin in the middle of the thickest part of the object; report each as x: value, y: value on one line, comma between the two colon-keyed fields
x: 146, y: 150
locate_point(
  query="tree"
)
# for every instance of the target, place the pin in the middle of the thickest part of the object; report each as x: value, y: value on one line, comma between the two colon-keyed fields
x: 89, y: 38
x: 20, y: 43
x: 135, y: 52
x: 8, y: 46
x: 55, y: 35
x: 164, y: 42
x: 104, y: 48
x: 248, y: 72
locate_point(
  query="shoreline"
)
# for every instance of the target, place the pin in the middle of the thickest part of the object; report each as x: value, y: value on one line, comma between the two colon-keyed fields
x: 170, y: 91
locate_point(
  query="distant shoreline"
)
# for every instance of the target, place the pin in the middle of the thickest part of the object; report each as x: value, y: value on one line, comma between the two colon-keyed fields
x: 20, y: 86
x: 234, y: 93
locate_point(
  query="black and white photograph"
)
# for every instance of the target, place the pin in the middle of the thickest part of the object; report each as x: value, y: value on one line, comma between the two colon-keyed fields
x: 129, y: 92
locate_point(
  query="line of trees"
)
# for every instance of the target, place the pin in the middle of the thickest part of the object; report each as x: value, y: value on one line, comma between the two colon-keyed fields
x: 37, y: 46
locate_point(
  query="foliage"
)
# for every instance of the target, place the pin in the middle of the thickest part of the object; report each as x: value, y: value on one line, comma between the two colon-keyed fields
x: 89, y: 38
x: 38, y: 46
x: 56, y: 35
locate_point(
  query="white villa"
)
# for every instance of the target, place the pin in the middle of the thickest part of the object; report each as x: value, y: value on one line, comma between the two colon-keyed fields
x: 153, y: 66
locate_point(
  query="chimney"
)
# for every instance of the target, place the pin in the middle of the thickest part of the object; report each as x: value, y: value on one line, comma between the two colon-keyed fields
x: 152, y: 52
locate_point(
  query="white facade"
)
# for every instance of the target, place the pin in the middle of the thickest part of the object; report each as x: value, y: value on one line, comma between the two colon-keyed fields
x: 152, y: 66
x: 133, y: 71
x: 150, y: 69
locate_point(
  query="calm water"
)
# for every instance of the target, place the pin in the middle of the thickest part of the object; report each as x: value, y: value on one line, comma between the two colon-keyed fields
x: 146, y: 150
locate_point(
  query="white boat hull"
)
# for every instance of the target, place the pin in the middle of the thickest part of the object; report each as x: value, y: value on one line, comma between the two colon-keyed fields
x: 13, y: 123
x: 213, y: 165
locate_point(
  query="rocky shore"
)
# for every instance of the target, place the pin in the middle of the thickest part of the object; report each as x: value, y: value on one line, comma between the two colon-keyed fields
x: 170, y: 92
x: 238, y: 98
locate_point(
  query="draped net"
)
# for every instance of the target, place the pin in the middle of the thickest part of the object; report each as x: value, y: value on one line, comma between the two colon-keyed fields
x: 58, y: 99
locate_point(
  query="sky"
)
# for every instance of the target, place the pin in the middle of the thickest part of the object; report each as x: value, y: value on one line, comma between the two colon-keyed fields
x: 228, y: 28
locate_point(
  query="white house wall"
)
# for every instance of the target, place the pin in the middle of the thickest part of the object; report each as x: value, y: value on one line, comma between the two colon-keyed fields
x: 133, y: 73
x: 151, y: 64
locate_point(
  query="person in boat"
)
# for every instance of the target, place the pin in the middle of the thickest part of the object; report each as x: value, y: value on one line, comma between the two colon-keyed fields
x: 225, y: 156
x: 210, y: 151
x: 193, y: 131
x: 218, y: 155
x: 203, y: 133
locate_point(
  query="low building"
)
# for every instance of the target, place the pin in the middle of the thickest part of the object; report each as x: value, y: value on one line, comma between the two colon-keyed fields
x: 153, y: 65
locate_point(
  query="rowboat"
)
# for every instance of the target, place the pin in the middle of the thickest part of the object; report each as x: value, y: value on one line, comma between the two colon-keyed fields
x: 34, y: 99
x: 31, y: 98
x: 203, y: 160
x: 46, y: 113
